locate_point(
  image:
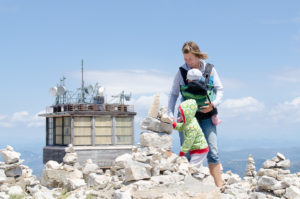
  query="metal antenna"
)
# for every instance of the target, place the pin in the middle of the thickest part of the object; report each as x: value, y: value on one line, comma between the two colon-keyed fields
x: 82, y: 83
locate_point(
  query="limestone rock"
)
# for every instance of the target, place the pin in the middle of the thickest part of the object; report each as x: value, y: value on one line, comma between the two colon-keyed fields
x: 137, y: 171
x: 119, y: 194
x: 70, y: 158
x: 73, y: 184
x: 52, y: 165
x: 268, y: 183
x: 14, y: 172
x: 267, y: 172
x: 15, y: 190
x: 10, y: 157
x: 269, y: 164
x: 123, y: 160
x: 292, y: 193
x: 155, y: 125
x: 156, y: 140
x: 153, y: 111
x: 99, y: 181
x: 280, y: 156
x: 165, y: 118
x: 2, y: 176
x: 89, y: 167
x: 283, y: 164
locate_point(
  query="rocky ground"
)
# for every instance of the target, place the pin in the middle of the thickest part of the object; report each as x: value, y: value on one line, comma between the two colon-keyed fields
x: 151, y: 171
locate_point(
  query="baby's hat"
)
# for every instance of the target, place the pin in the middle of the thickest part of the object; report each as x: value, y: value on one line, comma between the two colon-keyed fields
x: 194, y: 74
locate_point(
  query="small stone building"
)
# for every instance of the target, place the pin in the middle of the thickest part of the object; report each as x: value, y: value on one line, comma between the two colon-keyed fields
x: 100, y: 132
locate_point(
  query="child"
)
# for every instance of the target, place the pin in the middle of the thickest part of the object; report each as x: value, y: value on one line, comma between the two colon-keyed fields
x: 194, y: 140
x: 196, y: 85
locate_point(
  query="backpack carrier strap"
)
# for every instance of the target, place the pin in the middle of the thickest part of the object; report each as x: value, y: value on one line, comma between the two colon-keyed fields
x: 183, y: 75
x: 206, y: 74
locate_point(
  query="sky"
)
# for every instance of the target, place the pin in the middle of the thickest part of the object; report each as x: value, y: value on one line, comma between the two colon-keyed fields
x: 135, y: 46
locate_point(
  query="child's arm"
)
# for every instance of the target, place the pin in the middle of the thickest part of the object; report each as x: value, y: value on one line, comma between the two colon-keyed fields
x: 189, y: 139
x: 178, y: 126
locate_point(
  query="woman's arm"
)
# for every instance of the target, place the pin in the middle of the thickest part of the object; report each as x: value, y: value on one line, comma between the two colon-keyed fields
x: 218, y: 89
x: 174, y: 94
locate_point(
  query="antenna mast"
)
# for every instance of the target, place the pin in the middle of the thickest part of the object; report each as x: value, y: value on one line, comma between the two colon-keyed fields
x: 82, y: 83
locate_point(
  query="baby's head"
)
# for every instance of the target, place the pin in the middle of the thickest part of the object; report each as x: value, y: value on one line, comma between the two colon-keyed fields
x: 193, y: 75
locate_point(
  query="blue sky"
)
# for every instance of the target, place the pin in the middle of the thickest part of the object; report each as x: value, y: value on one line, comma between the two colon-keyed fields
x: 136, y: 46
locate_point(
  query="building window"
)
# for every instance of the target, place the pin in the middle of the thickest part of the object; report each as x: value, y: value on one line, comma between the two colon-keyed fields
x: 103, y: 130
x: 123, y: 130
x: 82, y: 131
x: 67, y: 130
x: 50, y: 131
x: 58, y: 130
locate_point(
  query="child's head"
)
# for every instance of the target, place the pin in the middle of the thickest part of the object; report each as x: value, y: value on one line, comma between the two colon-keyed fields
x: 194, y: 75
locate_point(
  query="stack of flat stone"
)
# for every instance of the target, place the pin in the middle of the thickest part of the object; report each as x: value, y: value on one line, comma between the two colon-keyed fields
x: 15, y: 178
x: 67, y: 174
x: 277, y: 179
x: 250, y: 168
x: 157, y: 121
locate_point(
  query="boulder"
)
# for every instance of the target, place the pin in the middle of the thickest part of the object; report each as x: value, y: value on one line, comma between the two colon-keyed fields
x: 292, y: 193
x: 52, y: 165
x: 10, y: 157
x: 156, y: 140
x: 154, y: 108
x: 155, y: 125
x: 137, y: 171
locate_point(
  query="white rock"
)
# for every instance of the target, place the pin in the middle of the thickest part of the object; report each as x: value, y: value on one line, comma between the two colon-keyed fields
x: 70, y: 158
x: 155, y: 125
x: 14, y: 172
x: 10, y: 157
x: 137, y: 171
x: 154, y: 108
x: 123, y: 160
x: 15, y: 190
x: 233, y: 179
x: 9, y: 148
x: 52, y: 165
x: 118, y: 194
x: 75, y: 183
x: 280, y: 156
x: 279, y: 192
x: 283, y: 164
x: 165, y: 118
x: 90, y: 168
x: 157, y: 140
x: 257, y: 195
x: 267, y: 172
x: 268, y: 183
x: 4, y: 195
x: 269, y: 164
x: 292, y: 192
x: 2, y: 176
x: 70, y: 149
x: 99, y: 181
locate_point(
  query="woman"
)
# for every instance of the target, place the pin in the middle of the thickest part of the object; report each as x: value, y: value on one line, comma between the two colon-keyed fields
x: 194, y: 58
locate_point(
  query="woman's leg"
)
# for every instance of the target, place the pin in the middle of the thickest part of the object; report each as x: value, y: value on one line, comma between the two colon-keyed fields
x: 210, y: 133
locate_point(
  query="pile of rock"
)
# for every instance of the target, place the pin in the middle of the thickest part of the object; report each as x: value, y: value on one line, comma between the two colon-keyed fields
x: 277, y: 179
x: 67, y: 174
x: 15, y: 178
x: 250, y: 168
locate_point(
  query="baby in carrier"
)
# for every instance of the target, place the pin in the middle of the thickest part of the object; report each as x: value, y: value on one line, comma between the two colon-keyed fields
x: 196, y: 85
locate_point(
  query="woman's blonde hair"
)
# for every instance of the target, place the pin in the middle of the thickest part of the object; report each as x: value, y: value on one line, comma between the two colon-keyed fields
x: 192, y: 47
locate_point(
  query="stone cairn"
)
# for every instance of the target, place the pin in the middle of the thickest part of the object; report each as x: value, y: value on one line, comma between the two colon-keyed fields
x: 15, y: 178
x: 277, y: 179
x: 250, y: 168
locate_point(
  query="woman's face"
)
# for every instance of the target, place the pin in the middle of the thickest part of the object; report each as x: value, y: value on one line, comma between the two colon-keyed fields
x: 191, y: 60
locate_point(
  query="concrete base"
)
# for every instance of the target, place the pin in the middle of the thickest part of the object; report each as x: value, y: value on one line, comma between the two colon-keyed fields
x: 101, y: 155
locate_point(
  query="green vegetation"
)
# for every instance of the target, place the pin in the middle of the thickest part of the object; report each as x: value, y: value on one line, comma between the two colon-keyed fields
x: 15, y: 196
x: 64, y: 194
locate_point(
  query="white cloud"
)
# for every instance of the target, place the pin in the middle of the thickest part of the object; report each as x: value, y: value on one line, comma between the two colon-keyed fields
x: 288, y: 111
x: 2, y: 117
x: 240, y: 107
x: 135, y: 81
x: 23, y: 117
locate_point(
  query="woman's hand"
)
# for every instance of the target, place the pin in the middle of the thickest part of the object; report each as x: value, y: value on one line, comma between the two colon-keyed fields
x: 209, y: 107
